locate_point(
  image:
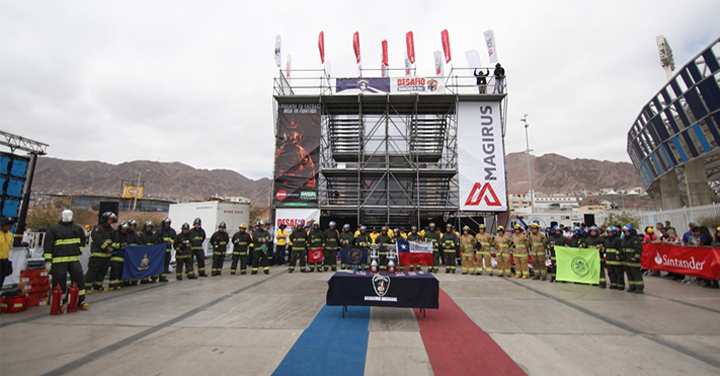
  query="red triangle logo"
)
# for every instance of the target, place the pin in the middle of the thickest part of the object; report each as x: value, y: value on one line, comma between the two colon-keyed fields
x: 485, y: 191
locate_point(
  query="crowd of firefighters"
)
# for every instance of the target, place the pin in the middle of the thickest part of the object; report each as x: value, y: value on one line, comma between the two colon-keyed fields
x: 257, y: 248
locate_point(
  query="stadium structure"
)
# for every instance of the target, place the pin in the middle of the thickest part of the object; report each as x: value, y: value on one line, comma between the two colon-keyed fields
x: 388, y: 150
x: 674, y: 141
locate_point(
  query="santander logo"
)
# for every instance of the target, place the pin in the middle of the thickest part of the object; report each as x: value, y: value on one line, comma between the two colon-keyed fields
x: 658, y: 259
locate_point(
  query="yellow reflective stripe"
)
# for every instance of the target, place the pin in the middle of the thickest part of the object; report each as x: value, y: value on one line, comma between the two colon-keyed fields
x: 485, y: 243
x: 537, y: 244
x: 106, y: 243
x: 117, y: 258
x: 67, y: 241
x: 503, y: 245
x: 65, y: 259
x: 48, y: 256
x: 519, y: 245
x: 98, y: 254
x: 168, y: 239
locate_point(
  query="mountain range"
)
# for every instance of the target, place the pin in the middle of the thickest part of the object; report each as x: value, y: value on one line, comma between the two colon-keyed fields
x: 175, y: 181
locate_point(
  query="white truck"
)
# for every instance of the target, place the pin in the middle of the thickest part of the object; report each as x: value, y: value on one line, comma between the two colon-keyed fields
x: 211, y: 213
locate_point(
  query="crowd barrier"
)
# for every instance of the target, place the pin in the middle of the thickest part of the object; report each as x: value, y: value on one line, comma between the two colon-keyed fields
x: 699, y: 262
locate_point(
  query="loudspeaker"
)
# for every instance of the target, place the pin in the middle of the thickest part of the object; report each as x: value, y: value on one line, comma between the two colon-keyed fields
x: 105, y: 206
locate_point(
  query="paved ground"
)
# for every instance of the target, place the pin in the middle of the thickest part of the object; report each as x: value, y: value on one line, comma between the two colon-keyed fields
x: 248, y: 324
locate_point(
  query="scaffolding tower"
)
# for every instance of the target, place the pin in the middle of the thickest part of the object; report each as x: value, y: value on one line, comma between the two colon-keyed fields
x: 387, y: 158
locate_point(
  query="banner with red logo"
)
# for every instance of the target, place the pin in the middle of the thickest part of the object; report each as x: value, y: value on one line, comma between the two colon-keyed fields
x: 700, y: 262
x: 410, y: 41
x: 445, y: 37
x: 408, y: 67
x: 384, y: 58
x: 278, y: 56
x: 356, y: 47
x: 315, y: 255
x: 491, y: 47
x: 481, y: 157
x: 293, y: 217
x: 321, y: 46
x: 297, y: 151
x: 438, y: 63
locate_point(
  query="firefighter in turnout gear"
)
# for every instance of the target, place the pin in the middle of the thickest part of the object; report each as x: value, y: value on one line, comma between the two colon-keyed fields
x: 615, y: 267
x: 521, y: 245
x: 555, y: 239
x: 118, y: 257
x: 449, y: 245
x: 596, y: 241
x: 241, y: 241
x: 632, y: 250
x: 414, y: 237
x: 261, y: 250
x: 298, y: 246
x: 331, y: 242
x: 576, y: 241
x: 148, y: 237
x: 467, y: 247
x: 133, y: 238
x: 197, y: 234
x: 364, y: 240
x: 101, y: 247
x: 219, y: 241
x: 433, y: 236
x: 502, y: 252
x: 315, y: 236
x: 167, y: 235
x: 383, y: 241
x: 184, y: 253
x: 483, y: 243
x: 538, y: 247
x: 64, y: 243
x: 346, y: 238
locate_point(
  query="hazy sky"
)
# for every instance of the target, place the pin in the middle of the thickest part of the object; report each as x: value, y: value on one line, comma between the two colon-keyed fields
x: 192, y: 81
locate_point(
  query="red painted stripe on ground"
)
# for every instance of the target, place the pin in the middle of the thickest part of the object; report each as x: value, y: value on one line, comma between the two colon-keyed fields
x: 457, y: 346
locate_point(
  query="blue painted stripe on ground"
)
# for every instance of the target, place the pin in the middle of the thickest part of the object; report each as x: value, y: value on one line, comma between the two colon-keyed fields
x: 331, y: 345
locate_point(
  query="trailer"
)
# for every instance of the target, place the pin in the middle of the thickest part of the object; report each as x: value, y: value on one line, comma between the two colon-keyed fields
x: 211, y: 213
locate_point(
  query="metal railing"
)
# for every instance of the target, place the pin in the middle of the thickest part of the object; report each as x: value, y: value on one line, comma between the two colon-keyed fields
x: 679, y: 218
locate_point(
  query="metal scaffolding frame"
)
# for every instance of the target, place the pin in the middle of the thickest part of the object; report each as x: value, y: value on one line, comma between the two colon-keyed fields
x: 387, y: 158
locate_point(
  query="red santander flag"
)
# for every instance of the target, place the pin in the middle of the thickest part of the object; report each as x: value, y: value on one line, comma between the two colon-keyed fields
x: 321, y: 46
x: 356, y: 46
x: 410, y: 41
x: 384, y: 58
x: 446, y: 45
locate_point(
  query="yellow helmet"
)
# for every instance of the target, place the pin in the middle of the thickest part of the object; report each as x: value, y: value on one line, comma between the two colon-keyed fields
x: 500, y: 228
x: 243, y: 225
x: 650, y: 230
x: 535, y: 225
x: 466, y: 228
x: 482, y: 225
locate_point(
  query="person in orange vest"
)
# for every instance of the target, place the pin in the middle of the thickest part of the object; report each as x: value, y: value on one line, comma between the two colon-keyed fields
x: 502, y: 252
x: 483, y: 242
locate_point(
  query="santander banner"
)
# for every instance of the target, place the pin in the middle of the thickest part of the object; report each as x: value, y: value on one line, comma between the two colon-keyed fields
x: 701, y: 262
x: 481, y: 157
x: 321, y: 47
x: 410, y: 41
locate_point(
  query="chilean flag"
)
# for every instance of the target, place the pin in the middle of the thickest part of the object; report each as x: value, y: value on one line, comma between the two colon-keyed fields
x: 415, y: 253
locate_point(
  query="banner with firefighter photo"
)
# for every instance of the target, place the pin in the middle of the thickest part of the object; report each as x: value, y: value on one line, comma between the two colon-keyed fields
x: 481, y: 157
x: 297, y: 150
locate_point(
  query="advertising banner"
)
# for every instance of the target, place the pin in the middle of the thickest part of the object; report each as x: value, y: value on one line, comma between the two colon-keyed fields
x: 356, y: 48
x: 481, y: 157
x: 129, y: 191
x: 445, y: 37
x: 491, y: 47
x: 294, y: 217
x: 578, y: 265
x: 438, y: 63
x: 421, y: 85
x: 297, y: 149
x: 278, y: 57
x: 408, y: 67
x: 410, y: 41
x: 699, y: 262
x: 321, y: 47
x: 473, y: 59
x: 288, y: 65
x: 384, y: 58
x: 380, y: 85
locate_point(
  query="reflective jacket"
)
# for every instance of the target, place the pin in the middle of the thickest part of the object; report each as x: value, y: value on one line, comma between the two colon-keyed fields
x: 148, y: 238
x: 298, y: 240
x: 241, y: 241
x: 183, y: 244
x: 449, y: 241
x: 467, y: 244
x: 483, y: 242
x: 316, y: 238
x: 197, y: 237
x: 521, y: 244
x: 538, y: 243
x: 331, y: 239
x: 219, y: 241
x: 260, y: 239
x: 64, y: 242
x: 166, y: 235
x: 434, y: 237
x: 363, y: 240
x: 347, y: 238
x: 102, y: 240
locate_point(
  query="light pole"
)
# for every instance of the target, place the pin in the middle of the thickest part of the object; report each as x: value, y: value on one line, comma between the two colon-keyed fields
x: 137, y: 190
x: 527, y: 152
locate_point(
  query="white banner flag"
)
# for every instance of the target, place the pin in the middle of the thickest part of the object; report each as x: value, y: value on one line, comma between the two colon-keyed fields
x: 491, y: 47
x: 408, y: 67
x: 421, y: 247
x: 288, y: 65
x: 481, y: 158
x: 438, y: 63
x: 278, y: 57
x: 473, y: 59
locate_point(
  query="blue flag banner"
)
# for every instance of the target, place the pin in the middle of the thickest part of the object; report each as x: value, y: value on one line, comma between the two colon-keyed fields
x: 353, y: 255
x: 143, y: 261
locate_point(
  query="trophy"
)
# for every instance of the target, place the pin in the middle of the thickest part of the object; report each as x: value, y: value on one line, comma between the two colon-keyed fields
x: 391, y: 255
x: 374, y: 255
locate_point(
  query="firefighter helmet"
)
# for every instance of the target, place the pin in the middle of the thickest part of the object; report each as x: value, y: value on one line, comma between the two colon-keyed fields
x: 466, y: 228
x: 148, y: 223
x: 363, y: 228
x: 166, y: 220
x: 431, y: 225
x: 347, y: 226
x: 185, y: 226
x: 197, y: 221
x: 108, y: 215
x: 500, y: 228
x: 482, y: 226
x: 243, y: 225
x: 413, y: 228
x: 222, y: 225
x: 331, y: 224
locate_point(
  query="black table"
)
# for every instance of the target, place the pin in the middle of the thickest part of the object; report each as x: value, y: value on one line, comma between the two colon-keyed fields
x: 402, y: 290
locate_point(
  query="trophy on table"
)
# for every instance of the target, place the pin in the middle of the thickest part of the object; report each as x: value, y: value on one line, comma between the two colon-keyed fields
x: 392, y: 254
x: 374, y: 256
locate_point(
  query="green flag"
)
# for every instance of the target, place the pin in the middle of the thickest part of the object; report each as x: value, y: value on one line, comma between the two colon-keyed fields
x: 578, y: 264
